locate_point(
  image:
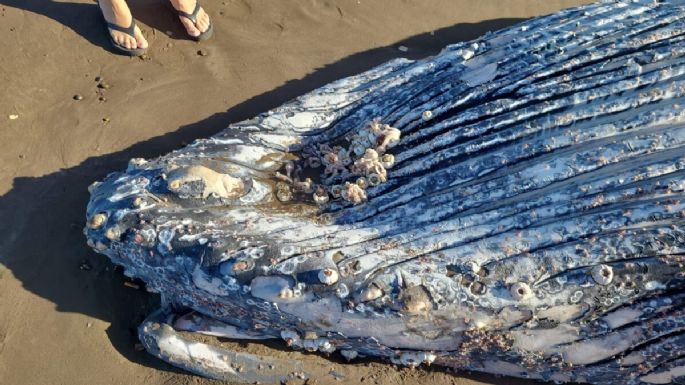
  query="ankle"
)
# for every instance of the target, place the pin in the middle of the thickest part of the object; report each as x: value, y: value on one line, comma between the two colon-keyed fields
x: 115, y: 6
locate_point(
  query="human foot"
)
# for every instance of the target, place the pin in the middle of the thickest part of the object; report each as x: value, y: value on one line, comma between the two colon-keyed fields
x: 125, y: 35
x: 194, y: 18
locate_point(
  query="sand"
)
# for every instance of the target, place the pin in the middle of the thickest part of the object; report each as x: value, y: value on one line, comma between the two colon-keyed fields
x: 67, y: 315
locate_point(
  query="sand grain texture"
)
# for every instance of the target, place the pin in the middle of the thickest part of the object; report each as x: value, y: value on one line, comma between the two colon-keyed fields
x: 67, y: 317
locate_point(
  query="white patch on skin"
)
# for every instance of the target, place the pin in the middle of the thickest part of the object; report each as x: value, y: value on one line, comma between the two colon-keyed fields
x: 587, y: 352
x: 269, y: 288
x: 223, y: 185
x: 664, y: 377
x: 349, y: 354
x: 207, y: 283
x: 632, y: 359
x: 544, y: 339
x: 182, y: 351
x: 621, y: 317
x: 654, y: 285
x: 480, y: 75
x: 213, y: 327
x: 563, y: 313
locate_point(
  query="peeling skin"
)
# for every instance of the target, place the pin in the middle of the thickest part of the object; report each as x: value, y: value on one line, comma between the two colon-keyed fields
x: 223, y: 185
x: 532, y: 224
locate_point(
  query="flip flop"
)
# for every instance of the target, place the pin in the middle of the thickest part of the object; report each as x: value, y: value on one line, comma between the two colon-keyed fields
x: 193, y: 19
x: 131, y: 31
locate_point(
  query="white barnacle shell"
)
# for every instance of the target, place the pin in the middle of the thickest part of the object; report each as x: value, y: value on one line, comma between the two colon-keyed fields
x: 342, y: 291
x: 391, y: 136
x: 520, y: 291
x: 370, y: 154
x: 97, y: 220
x: 388, y: 160
x: 336, y: 190
x: 93, y: 186
x: 283, y: 193
x: 135, y: 163
x: 305, y: 185
x: 467, y: 54
x: 413, y: 359
x: 370, y: 293
x: 113, y: 233
x: 357, y: 148
x: 291, y: 338
x: 325, y: 345
x: 353, y: 193
x: 288, y: 250
x: 473, y: 267
x: 349, y: 354
x: 287, y: 293
x: 328, y: 276
x: 602, y: 274
x: 320, y: 196
x: 375, y: 179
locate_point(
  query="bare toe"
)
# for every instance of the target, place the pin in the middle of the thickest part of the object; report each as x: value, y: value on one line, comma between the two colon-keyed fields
x: 120, y: 40
x: 141, y: 42
x: 190, y: 27
x: 203, y: 22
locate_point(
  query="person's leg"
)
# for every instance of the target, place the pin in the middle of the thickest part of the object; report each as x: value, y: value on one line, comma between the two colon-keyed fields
x: 187, y: 6
x: 117, y: 12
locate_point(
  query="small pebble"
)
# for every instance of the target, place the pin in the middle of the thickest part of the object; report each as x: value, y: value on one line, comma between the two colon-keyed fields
x: 202, y: 52
x: 403, y: 48
x: 98, y: 78
x: 78, y: 97
x: 102, y: 99
x: 105, y: 120
x: 104, y: 85
x: 169, y: 45
x: 21, y: 156
x: 13, y: 116
x: 89, y: 324
x: 144, y: 57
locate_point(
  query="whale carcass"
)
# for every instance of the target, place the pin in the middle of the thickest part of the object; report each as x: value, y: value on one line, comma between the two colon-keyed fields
x: 512, y: 205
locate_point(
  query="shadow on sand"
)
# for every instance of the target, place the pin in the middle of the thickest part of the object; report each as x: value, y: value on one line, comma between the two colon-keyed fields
x: 44, y: 246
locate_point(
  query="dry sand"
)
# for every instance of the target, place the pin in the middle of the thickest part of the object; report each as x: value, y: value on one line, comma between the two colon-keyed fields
x: 66, y: 316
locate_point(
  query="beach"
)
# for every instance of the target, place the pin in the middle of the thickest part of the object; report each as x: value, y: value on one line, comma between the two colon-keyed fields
x: 71, y: 111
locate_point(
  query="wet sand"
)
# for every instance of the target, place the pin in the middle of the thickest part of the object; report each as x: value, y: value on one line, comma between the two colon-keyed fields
x: 68, y: 316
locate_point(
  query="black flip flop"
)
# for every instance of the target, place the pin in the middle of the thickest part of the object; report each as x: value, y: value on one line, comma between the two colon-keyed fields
x: 131, y: 31
x: 193, y: 19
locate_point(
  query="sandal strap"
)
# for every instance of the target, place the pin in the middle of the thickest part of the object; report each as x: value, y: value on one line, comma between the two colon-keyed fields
x: 130, y: 30
x: 193, y: 15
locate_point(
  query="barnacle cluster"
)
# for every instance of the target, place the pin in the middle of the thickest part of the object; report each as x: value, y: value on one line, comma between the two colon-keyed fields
x: 344, y: 170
